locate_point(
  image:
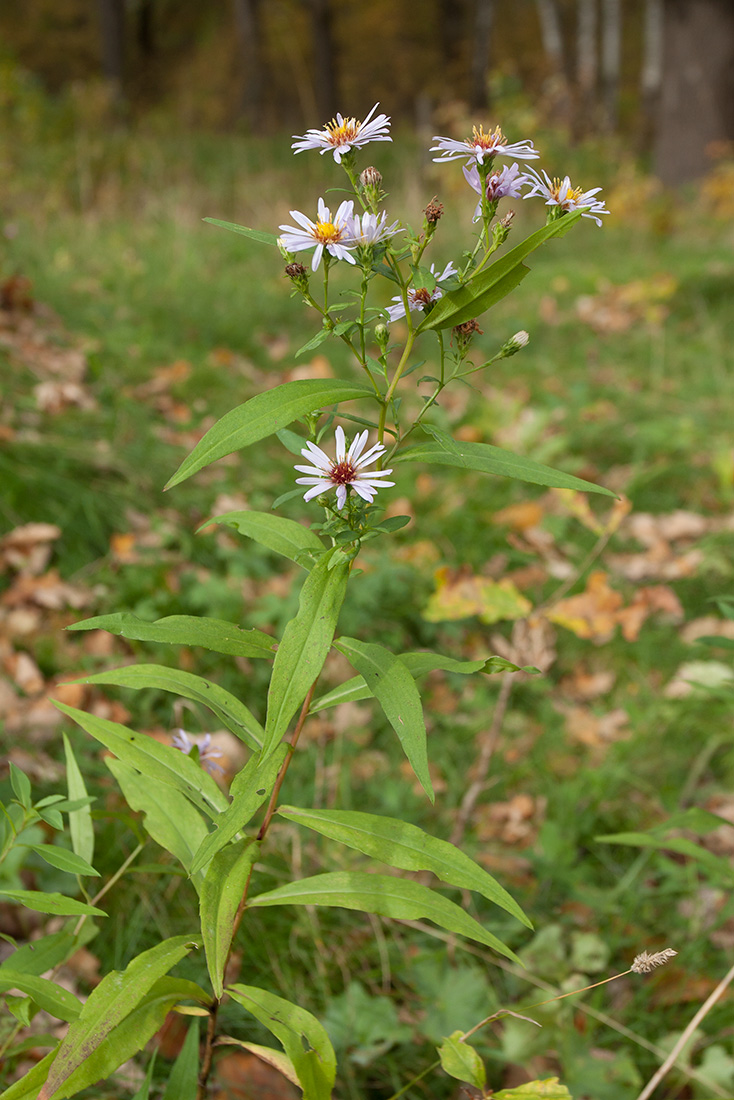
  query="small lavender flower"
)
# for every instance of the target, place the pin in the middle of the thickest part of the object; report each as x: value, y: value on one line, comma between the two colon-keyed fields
x: 482, y: 146
x: 332, y: 234
x: 504, y: 184
x: 208, y: 755
x: 419, y: 299
x: 367, y: 229
x: 341, y: 135
x: 345, y: 472
x: 561, y: 194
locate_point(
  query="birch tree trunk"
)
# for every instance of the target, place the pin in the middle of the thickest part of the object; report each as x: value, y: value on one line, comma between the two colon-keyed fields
x: 651, y: 74
x: 586, y: 63
x: 551, y: 34
x: 481, y: 40
x: 611, y: 52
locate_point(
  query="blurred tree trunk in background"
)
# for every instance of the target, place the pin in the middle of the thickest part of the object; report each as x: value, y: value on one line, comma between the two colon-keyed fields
x: 651, y: 75
x: 551, y: 35
x: 249, y: 40
x: 697, y: 94
x: 323, y: 54
x: 586, y: 63
x: 611, y: 53
x: 112, y: 34
x: 452, y: 22
x: 481, y: 39
x: 144, y: 32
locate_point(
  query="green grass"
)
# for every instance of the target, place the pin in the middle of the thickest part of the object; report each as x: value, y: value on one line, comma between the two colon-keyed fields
x: 114, y: 244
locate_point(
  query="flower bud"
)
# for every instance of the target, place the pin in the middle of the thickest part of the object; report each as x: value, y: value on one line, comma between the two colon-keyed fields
x: 382, y: 336
x: 283, y: 250
x: 514, y: 344
x: 370, y: 177
x: 370, y: 180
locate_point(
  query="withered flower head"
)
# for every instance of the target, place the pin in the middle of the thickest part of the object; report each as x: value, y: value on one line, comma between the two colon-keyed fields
x: 644, y: 962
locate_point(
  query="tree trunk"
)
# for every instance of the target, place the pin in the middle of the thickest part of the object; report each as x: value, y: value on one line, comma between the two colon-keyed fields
x: 651, y: 74
x: 249, y: 37
x: 324, y: 52
x: 556, y: 90
x: 452, y: 24
x: 586, y: 63
x: 697, y: 95
x: 480, y: 56
x: 112, y: 34
x: 611, y: 51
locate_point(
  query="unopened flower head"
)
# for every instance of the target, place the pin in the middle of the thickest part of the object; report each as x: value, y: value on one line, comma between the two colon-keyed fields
x: 366, y: 229
x: 208, y: 756
x: 644, y: 962
x: 423, y: 297
x: 333, y: 234
x: 341, y: 135
x: 515, y: 343
x: 561, y: 194
x: 504, y: 184
x: 482, y: 146
x: 345, y: 472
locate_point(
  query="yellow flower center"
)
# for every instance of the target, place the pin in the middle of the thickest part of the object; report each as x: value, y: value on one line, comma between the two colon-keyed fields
x: 327, y: 232
x: 486, y: 141
x: 572, y: 195
x: 344, y: 133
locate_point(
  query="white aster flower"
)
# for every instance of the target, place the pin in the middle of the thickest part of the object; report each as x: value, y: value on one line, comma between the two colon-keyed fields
x: 344, y: 472
x: 208, y: 756
x: 505, y: 184
x: 332, y: 234
x: 560, y: 193
x: 369, y: 229
x: 482, y: 145
x: 419, y: 299
x: 343, y: 134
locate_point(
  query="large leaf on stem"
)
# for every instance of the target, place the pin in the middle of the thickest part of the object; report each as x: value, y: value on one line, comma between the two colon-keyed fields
x: 304, y: 1039
x: 383, y: 894
x: 283, y: 536
x: 81, y: 829
x: 494, y: 282
x: 487, y: 459
x: 394, y: 688
x: 227, y: 707
x: 400, y: 844
x: 254, y: 234
x: 264, y: 415
x: 220, y: 896
x: 214, y: 634
x: 306, y: 642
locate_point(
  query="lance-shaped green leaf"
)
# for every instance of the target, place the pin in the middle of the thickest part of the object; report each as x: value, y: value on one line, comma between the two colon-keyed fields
x: 149, y: 757
x: 547, y: 1089
x: 460, y: 1060
x: 57, y: 905
x: 403, y: 845
x: 108, y: 1004
x: 394, y: 688
x: 63, y: 860
x: 43, y: 954
x: 27, y: 1087
x: 227, y: 707
x: 383, y: 894
x: 296, y: 1029
x: 214, y: 634
x: 80, y: 821
x: 306, y: 642
x: 494, y: 282
x: 718, y: 865
x: 275, y: 1058
x: 169, y: 817
x: 487, y: 459
x: 264, y: 415
x: 46, y: 994
x: 219, y: 899
x: 254, y: 234
x: 250, y: 788
x: 283, y: 536
x: 183, y: 1079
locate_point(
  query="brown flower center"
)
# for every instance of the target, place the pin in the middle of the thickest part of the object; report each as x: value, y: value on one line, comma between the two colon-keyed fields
x: 343, y: 473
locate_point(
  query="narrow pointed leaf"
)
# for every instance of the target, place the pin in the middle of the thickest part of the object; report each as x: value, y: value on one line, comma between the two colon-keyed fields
x: 394, y: 688
x: 254, y: 234
x: 56, y: 904
x: 27, y: 1087
x: 275, y: 1058
x: 108, y: 1004
x: 41, y: 955
x: 46, y: 994
x: 386, y: 895
x: 494, y: 282
x: 296, y: 1029
x: 63, y: 859
x: 183, y: 1079
x: 81, y: 829
x: 487, y: 459
x: 283, y: 536
x: 214, y: 634
x: 148, y: 756
x: 250, y: 788
x: 400, y: 844
x: 306, y: 642
x: 227, y: 708
x: 221, y: 894
x: 264, y: 415
x: 143, y: 1092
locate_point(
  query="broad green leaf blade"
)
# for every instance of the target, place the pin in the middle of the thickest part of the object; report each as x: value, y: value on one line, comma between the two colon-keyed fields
x: 21, y: 785
x: 494, y: 282
x: 283, y: 536
x: 460, y: 1060
x: 63, y: 859
x: 80, y: 821
x: 227, y: 708
x: 400, y: 844
x: 184, y: 1076
x: 56, y: 904
x: 27, y: 1087
x: 169, y: 817
x: 109, y: 1003
x: 188, y: 630
x: 275, y: 1058
x: 254, y: 234
x: 41, y: 955
x: 221, y: 893
x: 149, y: 757
x: 291, y: 1025
x: 264, y: 415
x: 250, y: 788
x: 47, y: 995
x: 306, y: 642
x: 394, y: 688
x: 386, y: 895
x: 547, y: 1089
x: 487, y: 459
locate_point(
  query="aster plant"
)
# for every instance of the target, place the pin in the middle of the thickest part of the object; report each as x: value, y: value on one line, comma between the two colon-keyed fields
x: 354, y: 436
